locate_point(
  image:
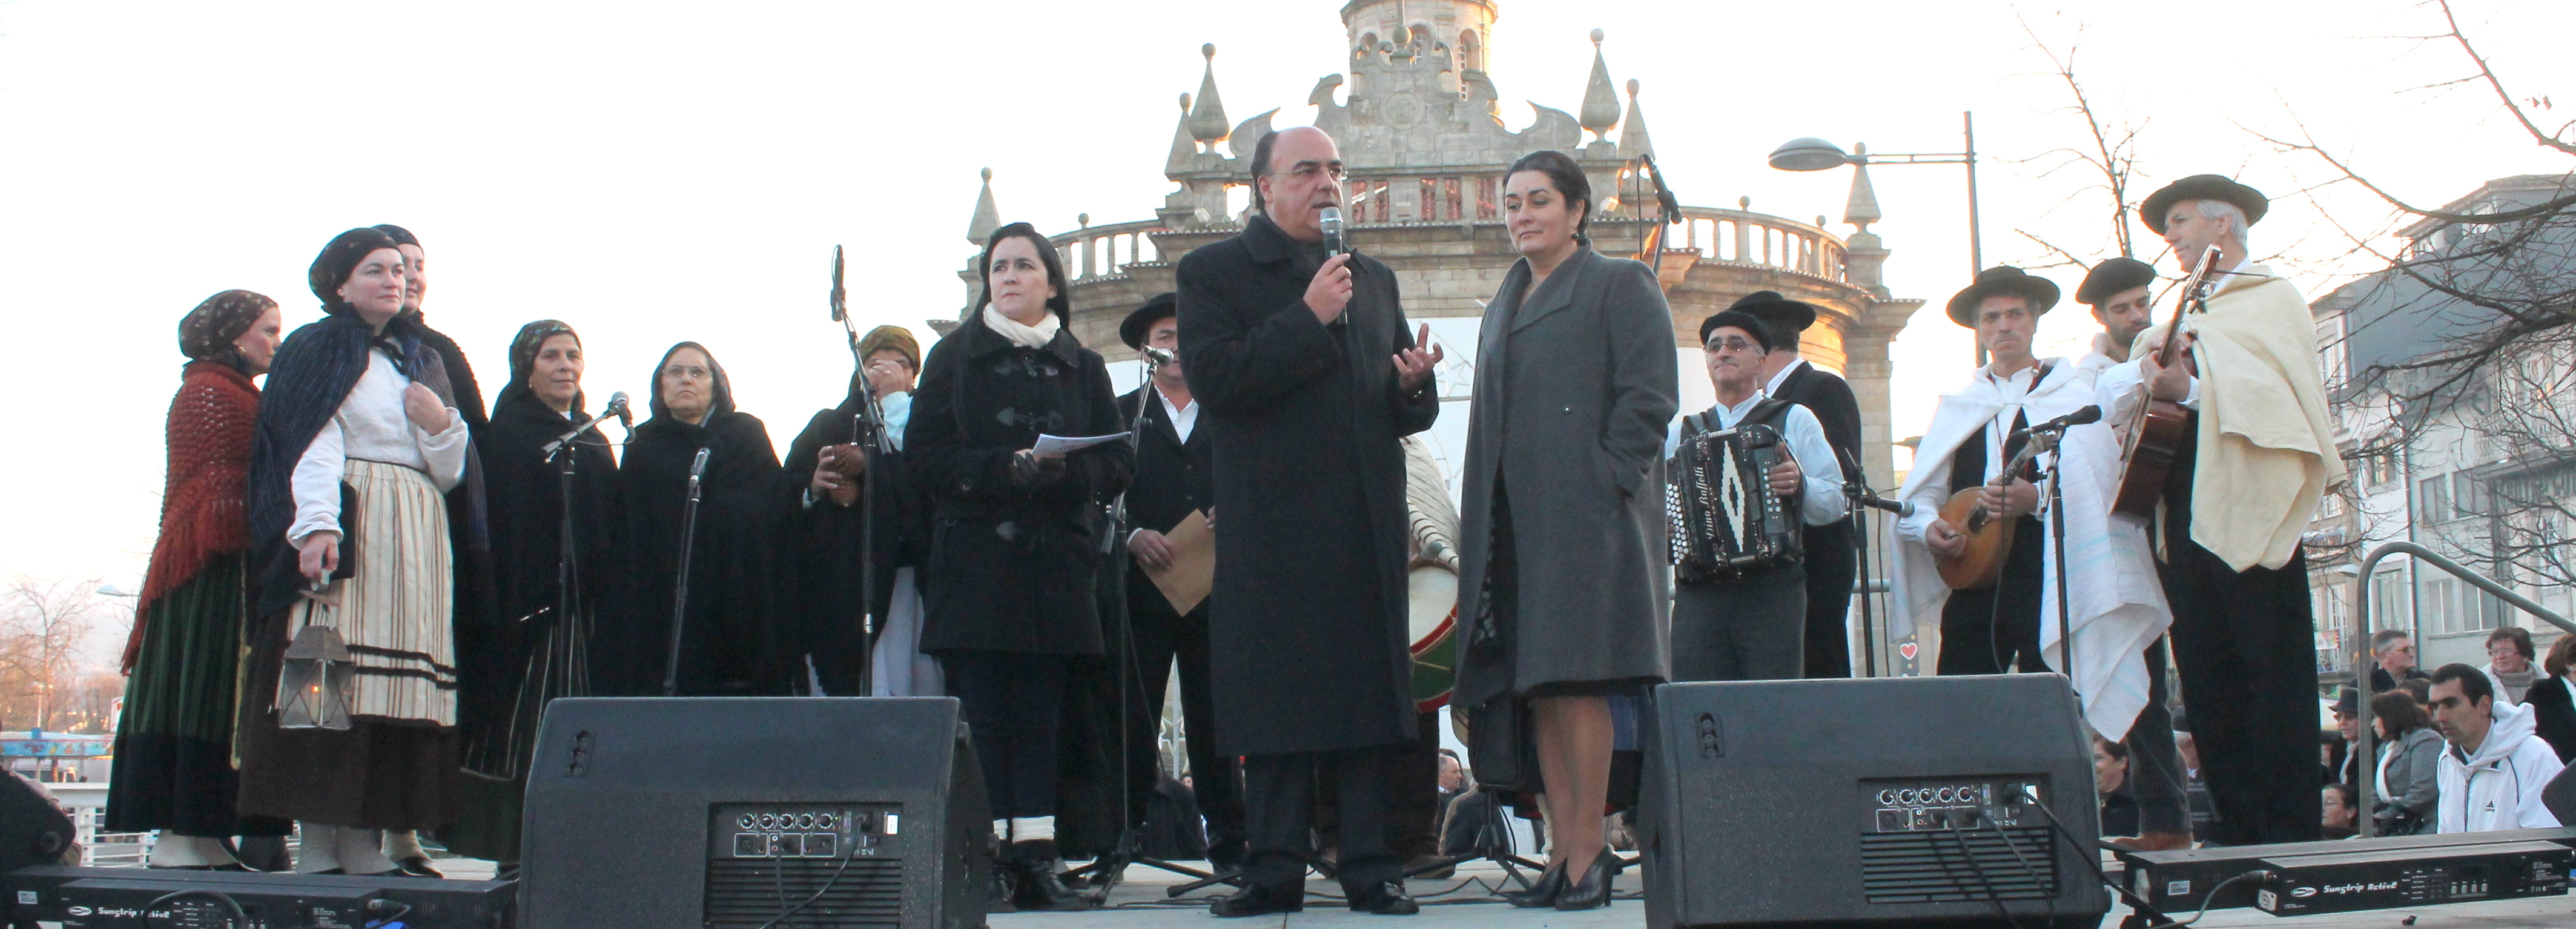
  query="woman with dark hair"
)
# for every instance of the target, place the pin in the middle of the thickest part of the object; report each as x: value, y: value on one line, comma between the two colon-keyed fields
x: 1015, y: 544
x: 2410, y: 755
x: 1563, y: 507
x: 728, y: 647
x: 537, y: 646
x: 2553, y: 699
x: 174, y: 740
x: 359, y: 441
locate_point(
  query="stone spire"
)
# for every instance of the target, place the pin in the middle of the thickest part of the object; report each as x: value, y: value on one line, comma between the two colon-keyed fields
x: 987, y: 217
x: 1185, y: 149
x: 1207, y: 117
x: 1633, y: 140
x: 1600, y: 112
x: 1862, y: 209
x: 1864, y: 256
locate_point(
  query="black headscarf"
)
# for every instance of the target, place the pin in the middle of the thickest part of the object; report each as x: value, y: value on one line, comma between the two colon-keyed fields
x: 523, y: 361
x: 719, y: 403
x: 207, y: 332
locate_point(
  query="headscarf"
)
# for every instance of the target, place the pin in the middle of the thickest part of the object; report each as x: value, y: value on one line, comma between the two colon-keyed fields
x: 523, y: 360
x: 719, y: 400
x: 401, y: 236
x: 207, y: 332
x: 340, y: 258
x: 896, y: 338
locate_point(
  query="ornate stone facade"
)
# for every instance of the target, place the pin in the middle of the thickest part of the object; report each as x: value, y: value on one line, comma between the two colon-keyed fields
x: 1426, y: 152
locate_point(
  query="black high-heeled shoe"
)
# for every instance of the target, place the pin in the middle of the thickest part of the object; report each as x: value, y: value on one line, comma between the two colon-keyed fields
x: 1543, y: 892
x: 1593, y: 891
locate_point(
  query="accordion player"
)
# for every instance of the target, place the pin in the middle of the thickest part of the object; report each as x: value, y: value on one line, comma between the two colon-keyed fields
x: 1742, y: 479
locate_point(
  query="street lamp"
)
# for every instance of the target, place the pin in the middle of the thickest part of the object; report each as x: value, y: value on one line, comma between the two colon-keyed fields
x: 1813, y: 154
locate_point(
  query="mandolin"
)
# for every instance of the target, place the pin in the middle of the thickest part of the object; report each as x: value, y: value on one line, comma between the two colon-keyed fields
x: 1990, y: 539
x: 2152, y: 437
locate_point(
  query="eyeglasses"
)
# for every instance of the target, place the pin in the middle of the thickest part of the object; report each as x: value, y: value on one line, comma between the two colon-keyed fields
x: 690, y: 372
x: 1734, y: 344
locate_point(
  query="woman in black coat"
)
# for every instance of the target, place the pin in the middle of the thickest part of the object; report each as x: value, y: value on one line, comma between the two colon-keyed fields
x: 538, y: 645
x: 727, y: 648
x: 1015, y: 541
x: 2553, y: 699
x: 828, y: 529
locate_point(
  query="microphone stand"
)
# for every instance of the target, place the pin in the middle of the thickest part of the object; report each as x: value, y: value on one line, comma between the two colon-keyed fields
x: 868, y: 432
x: 680, y: 588
x: 1863, y: 499
x: 2057, y: 538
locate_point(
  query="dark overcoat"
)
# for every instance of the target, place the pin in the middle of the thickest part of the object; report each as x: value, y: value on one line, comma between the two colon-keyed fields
x: 1011, y: 567
x: 1307, y: 620
x: 823, y: 540
x: 1575, y: 387
x: 1831, y: 564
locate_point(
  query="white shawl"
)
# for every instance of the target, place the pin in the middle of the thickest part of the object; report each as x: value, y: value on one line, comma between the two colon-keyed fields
x: 2114, y: 595
x: 1916, y: 590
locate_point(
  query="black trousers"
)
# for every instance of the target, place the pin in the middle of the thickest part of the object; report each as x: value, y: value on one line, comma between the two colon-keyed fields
x: 1977, y: 637
x: 2245, y: 645
x: 1014, y: 708
x: 1279, y: 804
x: 1161, y: 637
x: 1748, y: 629
x: 1831, y: 565
x: 2156, y: 774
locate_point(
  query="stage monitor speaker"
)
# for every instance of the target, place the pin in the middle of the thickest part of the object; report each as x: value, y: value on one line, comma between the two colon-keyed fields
x: 733, y: 812
x: 1912, y: 801
x: 2560, y: 796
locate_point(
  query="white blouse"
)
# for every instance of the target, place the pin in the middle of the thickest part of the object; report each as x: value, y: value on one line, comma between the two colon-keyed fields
x: 371, y: 426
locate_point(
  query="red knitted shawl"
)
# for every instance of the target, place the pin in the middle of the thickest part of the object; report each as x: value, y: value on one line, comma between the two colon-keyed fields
x: 202, y: 513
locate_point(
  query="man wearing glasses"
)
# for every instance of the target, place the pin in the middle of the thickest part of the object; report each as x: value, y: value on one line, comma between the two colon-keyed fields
x: 1752, y: 627
x: 2395, y: 651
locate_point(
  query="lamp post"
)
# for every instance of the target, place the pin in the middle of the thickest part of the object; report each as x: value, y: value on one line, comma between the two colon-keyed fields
x: 1813, y: 154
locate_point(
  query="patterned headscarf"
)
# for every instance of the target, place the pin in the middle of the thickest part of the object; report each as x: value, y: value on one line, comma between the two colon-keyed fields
x: 523, y: 358
x: 338, y: 259
x: 207, y: 332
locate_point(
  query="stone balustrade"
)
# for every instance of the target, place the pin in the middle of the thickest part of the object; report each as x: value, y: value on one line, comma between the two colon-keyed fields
x: 1106, y: 251
x: 1741, y: 237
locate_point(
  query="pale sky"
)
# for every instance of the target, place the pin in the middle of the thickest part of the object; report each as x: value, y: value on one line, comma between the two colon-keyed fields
x: 659, y: 172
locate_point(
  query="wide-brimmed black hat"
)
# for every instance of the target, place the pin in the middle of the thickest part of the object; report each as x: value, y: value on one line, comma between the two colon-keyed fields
x: 1778, y: 312
x: 2112, y: 276
x: 1138, y: 324
x: 2002, y: 279
x: 2203, y: 187
x: 1751, y: 324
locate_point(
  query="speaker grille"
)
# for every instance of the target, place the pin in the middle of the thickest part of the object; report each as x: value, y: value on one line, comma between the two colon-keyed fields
x: 745, y: 893
x: 1958, y: 867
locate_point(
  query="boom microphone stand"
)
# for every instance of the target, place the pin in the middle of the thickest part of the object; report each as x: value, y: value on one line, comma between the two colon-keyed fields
x: 568, y: 613
x: 868, y: 432
x: 680, y: 590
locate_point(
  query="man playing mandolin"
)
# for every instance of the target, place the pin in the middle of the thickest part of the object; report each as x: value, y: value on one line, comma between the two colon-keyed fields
x: 2254, y: 455
x: 1970, y: 554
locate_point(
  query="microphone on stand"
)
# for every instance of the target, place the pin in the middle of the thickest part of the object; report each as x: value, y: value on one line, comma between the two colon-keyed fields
x: 1330, y: 220
x: 1160, y: 357
x: 1901, y: 508
x: 697, y: 469
x: 617, y: 407
x: 2083, y: 417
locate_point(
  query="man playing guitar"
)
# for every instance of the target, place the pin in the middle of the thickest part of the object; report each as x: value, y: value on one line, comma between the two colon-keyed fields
x: 2256, y: 456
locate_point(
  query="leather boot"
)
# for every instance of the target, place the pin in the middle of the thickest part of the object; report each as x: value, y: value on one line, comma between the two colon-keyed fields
x: 1258, y: 900
x: 1041, y: 878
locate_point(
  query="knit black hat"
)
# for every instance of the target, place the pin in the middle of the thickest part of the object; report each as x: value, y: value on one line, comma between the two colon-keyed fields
x: 2202, y: 187
x: 2002, y: 279
x: 2112, y: 276
x: 331, y: 268
x: 1776, y: 311
x: 1751, y: 324
x: 1139, y: 324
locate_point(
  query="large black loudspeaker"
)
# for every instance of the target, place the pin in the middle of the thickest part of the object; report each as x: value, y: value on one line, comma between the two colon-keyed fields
x: 727, y: 813
x: 1877, y: 801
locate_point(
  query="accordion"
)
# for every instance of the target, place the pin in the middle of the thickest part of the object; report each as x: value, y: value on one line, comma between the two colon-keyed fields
x: 1726, y: 522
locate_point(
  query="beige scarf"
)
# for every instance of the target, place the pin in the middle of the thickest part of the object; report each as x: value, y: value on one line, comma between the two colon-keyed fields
x: 1031, y: 337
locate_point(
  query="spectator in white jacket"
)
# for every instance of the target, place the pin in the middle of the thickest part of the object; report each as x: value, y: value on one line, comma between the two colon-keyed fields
x: 2494, y: 767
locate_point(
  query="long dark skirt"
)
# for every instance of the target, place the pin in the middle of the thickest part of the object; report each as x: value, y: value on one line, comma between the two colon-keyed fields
x: 499, y: 730
x: 174, y: 743
x: 379, y: 773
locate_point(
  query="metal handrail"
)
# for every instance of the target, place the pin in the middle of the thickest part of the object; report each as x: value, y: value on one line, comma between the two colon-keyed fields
x: 2365, y: 749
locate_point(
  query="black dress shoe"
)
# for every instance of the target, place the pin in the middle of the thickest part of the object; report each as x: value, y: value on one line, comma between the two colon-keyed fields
x: 1542, y: 893
x: 1386, y: 899
x: 1593, y: 891
x: 417, y: 866
x: 1001, y: 900
x: 1257, y: 900
x: 1042, y: 887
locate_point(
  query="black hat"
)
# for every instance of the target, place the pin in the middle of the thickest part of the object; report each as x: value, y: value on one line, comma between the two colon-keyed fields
x: 1778, y: 312
x: 1138, y: 324
x: 1751, y: 324
x: 2348, y: 702
x: 2112, y: 276
x: 2203, y: 187
x: 2002, y: 279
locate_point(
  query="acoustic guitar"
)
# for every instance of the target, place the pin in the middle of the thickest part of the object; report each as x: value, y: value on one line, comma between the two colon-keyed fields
x: 1990, y: 538
x: 2153, y: 436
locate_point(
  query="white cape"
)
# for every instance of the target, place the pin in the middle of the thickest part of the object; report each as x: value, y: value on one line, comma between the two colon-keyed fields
x: 1916, y: 591
x: 2116, y: 600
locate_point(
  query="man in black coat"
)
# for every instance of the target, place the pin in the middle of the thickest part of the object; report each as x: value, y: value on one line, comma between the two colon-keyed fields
x: 1829, y: 555
x: 1309, y: 380
x: 1172, y: 481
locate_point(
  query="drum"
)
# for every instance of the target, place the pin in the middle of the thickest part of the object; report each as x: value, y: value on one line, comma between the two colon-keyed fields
x: 1432, y: 593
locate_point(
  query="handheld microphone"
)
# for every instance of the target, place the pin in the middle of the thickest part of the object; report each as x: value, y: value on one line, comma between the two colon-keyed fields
x: 1331, y: 222
x: 617, y: 407
x: 1159, y: 357
x: 2083, y: 417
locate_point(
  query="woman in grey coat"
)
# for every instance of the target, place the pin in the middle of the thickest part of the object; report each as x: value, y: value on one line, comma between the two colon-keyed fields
x: 1563, y: 506
x: 2410, y: 754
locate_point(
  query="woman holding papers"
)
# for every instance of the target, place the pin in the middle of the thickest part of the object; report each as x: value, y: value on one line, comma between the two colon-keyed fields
x: 1015, y: 534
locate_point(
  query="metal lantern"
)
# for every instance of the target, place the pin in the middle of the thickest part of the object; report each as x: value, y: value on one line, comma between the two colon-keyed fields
x: 317, y: 682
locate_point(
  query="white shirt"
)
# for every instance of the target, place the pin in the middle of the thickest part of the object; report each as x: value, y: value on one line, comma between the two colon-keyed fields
x: 370, y: 426
x: 1183, y: 418
x: 1773, y: 388
x: 1824, y: 501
